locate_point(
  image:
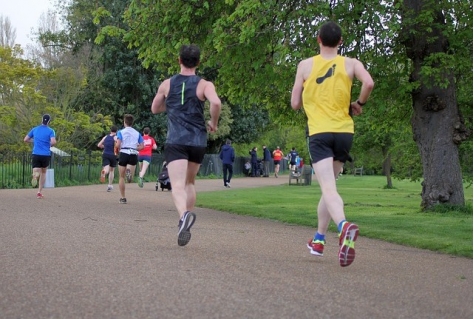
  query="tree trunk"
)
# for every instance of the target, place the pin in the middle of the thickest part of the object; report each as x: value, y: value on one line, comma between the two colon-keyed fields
x: 437, y: 125
x: 387, y: 166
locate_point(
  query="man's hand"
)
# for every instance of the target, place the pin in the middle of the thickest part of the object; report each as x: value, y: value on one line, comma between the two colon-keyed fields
x: 211, y: 127
x: 356, y: 108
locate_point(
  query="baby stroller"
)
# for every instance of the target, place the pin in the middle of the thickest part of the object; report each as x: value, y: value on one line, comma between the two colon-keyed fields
x: 163, y: 179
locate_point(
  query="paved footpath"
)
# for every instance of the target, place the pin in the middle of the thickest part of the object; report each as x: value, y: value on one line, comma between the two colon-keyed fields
x: 78, y: 253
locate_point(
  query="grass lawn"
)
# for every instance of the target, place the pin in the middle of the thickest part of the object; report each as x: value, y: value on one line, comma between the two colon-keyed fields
x: 392, y: 215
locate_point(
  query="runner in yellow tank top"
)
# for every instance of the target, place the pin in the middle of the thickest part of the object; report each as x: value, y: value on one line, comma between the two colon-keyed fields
x: 323, y: 88
x: 327, y: 96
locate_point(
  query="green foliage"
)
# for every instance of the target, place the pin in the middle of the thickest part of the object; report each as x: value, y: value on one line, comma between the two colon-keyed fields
x: 250, y: 49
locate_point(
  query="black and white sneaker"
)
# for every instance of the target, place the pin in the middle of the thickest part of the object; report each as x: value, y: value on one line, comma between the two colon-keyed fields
x: 184, y: 225
x: 123, y: 200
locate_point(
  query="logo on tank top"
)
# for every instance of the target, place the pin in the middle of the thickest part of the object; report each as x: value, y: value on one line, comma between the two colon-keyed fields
x: 330, y: 72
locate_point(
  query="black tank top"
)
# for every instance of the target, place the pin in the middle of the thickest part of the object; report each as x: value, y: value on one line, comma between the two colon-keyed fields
x: 186, y: 123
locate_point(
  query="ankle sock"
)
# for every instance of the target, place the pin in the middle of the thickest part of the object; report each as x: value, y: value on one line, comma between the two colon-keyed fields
x: 339, y: 227
x: 318, y: 236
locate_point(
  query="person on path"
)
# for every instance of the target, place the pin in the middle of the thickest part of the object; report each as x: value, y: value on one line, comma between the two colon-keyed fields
x: 109, y: 159
x: 144, y: 155
x: 129, y: 141
x: 227, y: 156
x: 182, y: 97
x: 254, y: 162
x: 322, y: 87
x: 277, y: 156
x: 42, y: 137
x: 292, y: 155
x: 267, y: 156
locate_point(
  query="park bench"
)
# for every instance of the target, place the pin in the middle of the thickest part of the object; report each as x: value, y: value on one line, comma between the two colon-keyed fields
x: 358, y: 171
x: 303, y: 176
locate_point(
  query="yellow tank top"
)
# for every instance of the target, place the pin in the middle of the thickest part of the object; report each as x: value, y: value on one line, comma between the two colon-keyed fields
x: 327, y: 97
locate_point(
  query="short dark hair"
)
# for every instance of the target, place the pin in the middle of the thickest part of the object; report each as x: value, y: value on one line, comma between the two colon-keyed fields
x: 46, y: 119
x: 330, y: 34
x: 190, y: 55
x: 146, y: 130
x: 228, y: 142
x: 128, y: 119
x: 113, y: 129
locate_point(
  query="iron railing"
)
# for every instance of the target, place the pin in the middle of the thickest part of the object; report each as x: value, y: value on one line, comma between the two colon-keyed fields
x: 82, y: 168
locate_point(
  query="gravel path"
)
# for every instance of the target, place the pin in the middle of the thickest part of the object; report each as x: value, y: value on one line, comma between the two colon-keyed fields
x: 78, y: 253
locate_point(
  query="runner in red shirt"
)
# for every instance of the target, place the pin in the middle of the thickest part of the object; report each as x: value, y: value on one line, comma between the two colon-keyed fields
x: 277, y: 156
x: 144, y: 156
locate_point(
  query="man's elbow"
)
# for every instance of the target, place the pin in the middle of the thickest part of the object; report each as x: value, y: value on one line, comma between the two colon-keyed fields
x: 295, y: 105
x: 369, y: 84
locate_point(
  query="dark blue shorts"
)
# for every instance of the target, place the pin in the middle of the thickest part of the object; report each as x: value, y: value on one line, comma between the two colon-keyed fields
x: 109, y: 159
x: 145, y: 158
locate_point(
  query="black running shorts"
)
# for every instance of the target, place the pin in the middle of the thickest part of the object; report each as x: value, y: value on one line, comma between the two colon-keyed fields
x: 335, y: 145
x: 175, y: 152
x: 40, y: 161
x: 127, y: 159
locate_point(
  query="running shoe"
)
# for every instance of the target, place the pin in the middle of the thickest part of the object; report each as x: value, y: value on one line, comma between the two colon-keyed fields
x: 347, y: 239
x: 184, y: 225
x: 316, y: 247
x: 110, y: 188
x: 39, y: 196
x: 128, y: 174
x: 140, y: 182
x: 34, y: 180
x: 102, y: 176
x: 123, y: 200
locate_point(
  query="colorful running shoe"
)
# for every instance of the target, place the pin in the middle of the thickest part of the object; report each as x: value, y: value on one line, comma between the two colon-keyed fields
x: 34, y: 180
x: 128, y: 175
x: 347, y: 239
x: 184, y: 225
x: 102, y: 176
x: 39, y: 196
x: 316, y: 247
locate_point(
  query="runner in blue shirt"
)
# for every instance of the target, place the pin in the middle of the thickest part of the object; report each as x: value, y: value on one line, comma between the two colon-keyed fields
x: 42, y: 137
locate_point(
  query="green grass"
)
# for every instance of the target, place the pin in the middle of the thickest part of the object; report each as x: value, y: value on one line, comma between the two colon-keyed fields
x: 392, y: 215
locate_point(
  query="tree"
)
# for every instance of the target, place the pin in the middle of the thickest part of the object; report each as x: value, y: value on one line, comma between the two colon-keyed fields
x: 255, y: 46
x: 438, y: 126
x: 22, y: 104
x: 7, y: 32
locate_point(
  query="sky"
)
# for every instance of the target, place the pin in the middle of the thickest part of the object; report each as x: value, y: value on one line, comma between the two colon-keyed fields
x: 24, y: 15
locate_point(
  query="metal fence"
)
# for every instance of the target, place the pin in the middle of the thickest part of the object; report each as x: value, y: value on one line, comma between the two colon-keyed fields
x: 82, y: 168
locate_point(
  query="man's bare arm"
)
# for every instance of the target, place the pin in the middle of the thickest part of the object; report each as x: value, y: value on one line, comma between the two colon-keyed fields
x: 296, y: 93
x: 215, y: 105
x: 158, y: 105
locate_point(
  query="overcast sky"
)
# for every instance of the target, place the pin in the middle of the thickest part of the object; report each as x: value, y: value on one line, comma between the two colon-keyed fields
x: 24, y: 15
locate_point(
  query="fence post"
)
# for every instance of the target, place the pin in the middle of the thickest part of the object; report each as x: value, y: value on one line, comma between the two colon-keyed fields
x: 89, y: 167
x: 70, y: 165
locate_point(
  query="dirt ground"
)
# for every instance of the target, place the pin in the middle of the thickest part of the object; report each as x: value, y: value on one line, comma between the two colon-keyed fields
x: 78, y: 253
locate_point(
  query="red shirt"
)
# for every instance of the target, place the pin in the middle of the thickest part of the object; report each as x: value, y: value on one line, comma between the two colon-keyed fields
x: 277, y: 155
x: 148, y: 143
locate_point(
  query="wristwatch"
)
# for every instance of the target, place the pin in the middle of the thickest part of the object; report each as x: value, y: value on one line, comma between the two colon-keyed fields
x: 360, y: 103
